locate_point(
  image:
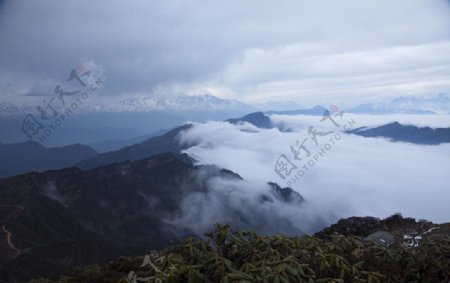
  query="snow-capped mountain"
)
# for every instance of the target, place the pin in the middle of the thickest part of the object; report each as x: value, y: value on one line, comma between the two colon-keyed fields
x: 278, y: 106
x: 171, y: 103
x: 439, y: 104
x: 7, y: 108
x: 145, y: 104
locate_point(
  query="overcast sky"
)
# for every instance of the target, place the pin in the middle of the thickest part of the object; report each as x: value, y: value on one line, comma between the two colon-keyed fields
x: 255, y: 51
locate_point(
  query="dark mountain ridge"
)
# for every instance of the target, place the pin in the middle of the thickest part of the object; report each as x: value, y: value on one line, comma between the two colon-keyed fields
x: 69, y: 217
x: 30, y: 156
x: 168, y: 142
x: 258, y: 119
x: 406, y: 133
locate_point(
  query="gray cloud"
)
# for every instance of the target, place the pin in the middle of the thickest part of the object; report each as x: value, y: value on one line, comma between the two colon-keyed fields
x: 306, y: 52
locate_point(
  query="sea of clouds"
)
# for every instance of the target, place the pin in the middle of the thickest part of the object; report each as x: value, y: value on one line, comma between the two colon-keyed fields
x: 354, y: 176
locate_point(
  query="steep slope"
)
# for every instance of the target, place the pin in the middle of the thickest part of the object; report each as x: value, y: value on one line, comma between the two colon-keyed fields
x: 258, y: 119
x: 241, y: 256
x: 397, y: 132
x: 30, y: 156
x: 167, y: 142
x: 72, y: 217
x: 115, y: 144
x: 40, y: 234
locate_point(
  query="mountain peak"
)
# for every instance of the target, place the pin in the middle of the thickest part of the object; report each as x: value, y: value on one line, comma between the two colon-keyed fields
x: 258, y: 119
x: 407, y: 105
x: 204, y: 102
x: 406, y: 133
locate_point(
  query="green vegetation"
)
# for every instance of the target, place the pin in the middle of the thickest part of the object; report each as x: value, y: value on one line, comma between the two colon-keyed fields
x: 228, y: 256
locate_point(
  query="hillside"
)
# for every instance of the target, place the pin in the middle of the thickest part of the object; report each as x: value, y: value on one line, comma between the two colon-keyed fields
x: 167, y: 142
x: 31, y: 156
x: 238, y: 256
x: 56, y: 220
x: 405, y: 133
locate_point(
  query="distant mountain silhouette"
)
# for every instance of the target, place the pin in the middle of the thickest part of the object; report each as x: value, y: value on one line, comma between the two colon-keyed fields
x: 258, y: 119
x: 167, y: 142
x: 115, y: 144
x: 315, y: 111
x: 57, y: 220
x: 380, y: 109
x: 397, y: 132
x: 30, y: 156
x: 407, y: 105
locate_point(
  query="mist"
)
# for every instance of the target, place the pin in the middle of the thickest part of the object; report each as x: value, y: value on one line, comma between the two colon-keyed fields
x: 357, y: 176
x: 248, y: 205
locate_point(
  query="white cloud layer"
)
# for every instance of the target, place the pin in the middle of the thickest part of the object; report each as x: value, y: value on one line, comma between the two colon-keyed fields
x: 356, y: 176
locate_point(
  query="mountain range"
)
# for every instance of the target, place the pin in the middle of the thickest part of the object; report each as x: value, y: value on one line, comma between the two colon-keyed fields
x: 167, y: 142
x: 115, y: 144
x: 257, y: 119
x: 153, y: 103
x: 174, y: 103
x: 30, y: 156
x: 93, y: 207
x: 8, y: 109
x: 56, y: 220
x: 19, y: 158
x: 315, y: 111
x: 406, y: 133
x: 439, y: 104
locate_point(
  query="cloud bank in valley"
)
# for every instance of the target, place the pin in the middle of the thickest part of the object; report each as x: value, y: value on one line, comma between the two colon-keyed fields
x: 299, y: 122
x: 357, y: 176
x: 249, y: 205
